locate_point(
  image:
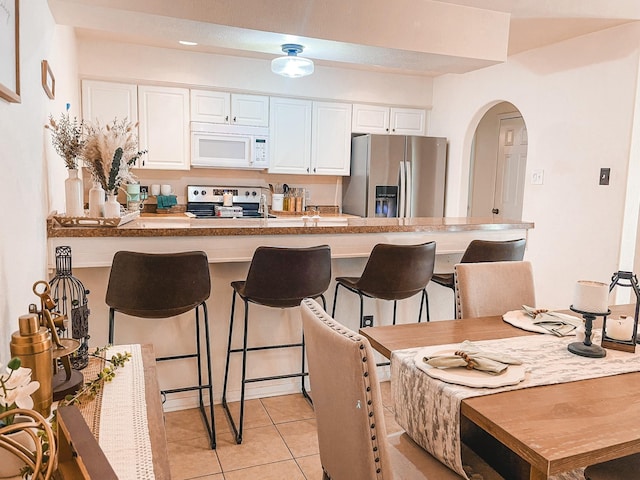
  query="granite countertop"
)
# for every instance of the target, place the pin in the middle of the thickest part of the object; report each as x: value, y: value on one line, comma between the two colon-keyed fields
x: 184, y: 226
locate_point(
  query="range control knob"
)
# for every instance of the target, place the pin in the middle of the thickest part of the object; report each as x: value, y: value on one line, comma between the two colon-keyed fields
x: 246, y: 194
x: 196, y: 192
x: 254, y: 193
x: 203, y: 192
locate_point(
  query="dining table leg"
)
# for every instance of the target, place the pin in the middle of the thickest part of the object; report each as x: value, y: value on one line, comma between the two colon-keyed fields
x: 535, y: 474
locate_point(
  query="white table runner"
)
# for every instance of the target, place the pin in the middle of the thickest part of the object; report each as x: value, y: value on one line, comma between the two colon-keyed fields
x: 429, y: 409
x: 124, y: 431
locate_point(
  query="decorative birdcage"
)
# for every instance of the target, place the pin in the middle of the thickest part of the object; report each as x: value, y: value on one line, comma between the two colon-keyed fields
x: 71, y: 299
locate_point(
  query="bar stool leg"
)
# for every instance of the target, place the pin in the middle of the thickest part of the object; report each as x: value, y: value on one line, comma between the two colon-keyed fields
x: 335, y: 299
x: 225, y: 405
x: 211, y: 427
x: 111, y: 325
x: 395, y: 307
x: 424, y: 300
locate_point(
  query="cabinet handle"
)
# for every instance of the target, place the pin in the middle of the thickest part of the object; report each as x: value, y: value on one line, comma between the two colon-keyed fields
x: 314, y: 169
x: 387, y: 129
x: 307, y: 169
x: 234, y: 119
x: 226, y: 119
x: 495, y: 211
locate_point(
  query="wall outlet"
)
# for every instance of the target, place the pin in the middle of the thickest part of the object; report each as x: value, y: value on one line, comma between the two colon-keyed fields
x: 604, y: 176
x: 537, y: 177
x: 367, y: 320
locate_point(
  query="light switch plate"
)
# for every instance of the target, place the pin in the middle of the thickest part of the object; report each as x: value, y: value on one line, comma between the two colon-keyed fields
x: 537, y: 177
x: 604, y: 176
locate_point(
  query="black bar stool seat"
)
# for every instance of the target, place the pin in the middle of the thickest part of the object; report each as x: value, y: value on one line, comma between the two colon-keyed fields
x: 392, y: 272
x: 279, y: 278
x: 154, y: 286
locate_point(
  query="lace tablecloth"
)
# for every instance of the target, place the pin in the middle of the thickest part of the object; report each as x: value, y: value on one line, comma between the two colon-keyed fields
x: 429, y: 409
x: 117, y: 417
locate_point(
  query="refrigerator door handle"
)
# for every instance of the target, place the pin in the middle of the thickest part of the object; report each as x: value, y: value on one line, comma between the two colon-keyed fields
x: 402, y: 184
x: 408, y: 207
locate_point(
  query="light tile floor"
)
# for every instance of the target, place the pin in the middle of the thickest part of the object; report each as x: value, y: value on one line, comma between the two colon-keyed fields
x: 279, y: 441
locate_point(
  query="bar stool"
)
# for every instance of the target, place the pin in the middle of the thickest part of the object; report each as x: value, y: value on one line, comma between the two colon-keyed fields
x: 479, y: 251
x: 392, y: 272
x: 279, y: 278
x: 155, y: 286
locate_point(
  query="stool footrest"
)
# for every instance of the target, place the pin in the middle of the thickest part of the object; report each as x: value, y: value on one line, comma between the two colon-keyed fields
x: 185, y: 389
x: 177, y: 357
x: 276, y: 377
x: 266, y: 347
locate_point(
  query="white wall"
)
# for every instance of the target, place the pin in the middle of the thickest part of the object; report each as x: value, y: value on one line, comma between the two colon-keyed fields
x: 31, y: 185
x: 578, y: 101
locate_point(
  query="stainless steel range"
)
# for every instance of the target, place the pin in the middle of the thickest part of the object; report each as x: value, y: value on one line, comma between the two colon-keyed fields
x: 206, y: 201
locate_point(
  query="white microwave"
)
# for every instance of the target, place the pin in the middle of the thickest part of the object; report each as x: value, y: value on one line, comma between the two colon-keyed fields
x: 229, y: 146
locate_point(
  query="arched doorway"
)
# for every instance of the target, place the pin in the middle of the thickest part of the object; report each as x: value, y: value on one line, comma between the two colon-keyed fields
x: 498, y: 164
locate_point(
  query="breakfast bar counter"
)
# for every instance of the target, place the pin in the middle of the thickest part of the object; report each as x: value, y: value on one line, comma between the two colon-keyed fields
x: 235, y: 239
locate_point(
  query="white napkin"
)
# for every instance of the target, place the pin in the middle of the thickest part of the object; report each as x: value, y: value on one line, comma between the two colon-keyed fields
x: 471, y: 356
x: 557, y: 324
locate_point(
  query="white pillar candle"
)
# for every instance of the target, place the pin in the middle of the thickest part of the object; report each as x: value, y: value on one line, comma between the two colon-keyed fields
x: 591, y: 296
x: 620, y: 328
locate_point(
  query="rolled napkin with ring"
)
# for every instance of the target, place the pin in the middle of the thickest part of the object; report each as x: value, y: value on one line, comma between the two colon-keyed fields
x: 556, y: 323
x: 473, y: 357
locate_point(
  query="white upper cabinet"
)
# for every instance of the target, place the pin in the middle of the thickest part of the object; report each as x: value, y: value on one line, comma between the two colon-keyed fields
x: 290, y: 135
x: 378, y: 119
x: 229, y: 108
x: 310, y: 137
x: 164, y: 127
x: 370, y: 119
x: 408, y: 121
x: 331, y: 139
x: 105, y: 102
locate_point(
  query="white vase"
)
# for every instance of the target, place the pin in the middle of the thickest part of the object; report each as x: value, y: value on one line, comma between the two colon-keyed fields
x: 73, y: 195
x: 96, y: 201
x: 112, y: 207
x: 10, y: 465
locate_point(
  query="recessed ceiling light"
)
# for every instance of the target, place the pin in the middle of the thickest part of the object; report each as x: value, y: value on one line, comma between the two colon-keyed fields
x: 185, y: 42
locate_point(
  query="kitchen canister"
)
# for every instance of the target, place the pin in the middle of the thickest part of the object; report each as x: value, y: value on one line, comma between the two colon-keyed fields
x: 277, y: 201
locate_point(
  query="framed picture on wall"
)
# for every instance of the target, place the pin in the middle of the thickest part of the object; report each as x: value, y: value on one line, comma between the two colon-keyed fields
x: 48, y: 80
x: 10, y: 50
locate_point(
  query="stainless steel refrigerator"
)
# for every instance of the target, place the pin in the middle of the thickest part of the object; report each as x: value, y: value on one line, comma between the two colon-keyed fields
x: 396, y: 176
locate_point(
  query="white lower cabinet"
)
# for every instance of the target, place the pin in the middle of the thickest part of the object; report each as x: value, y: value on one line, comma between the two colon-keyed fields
x: 164, y: 127
x: 310, y: 137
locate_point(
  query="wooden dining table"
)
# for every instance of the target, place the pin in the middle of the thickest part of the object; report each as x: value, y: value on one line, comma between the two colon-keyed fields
x: 537, y: 432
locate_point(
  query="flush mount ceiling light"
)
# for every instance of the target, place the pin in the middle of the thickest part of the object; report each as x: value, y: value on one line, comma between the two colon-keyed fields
x: 292, y: 65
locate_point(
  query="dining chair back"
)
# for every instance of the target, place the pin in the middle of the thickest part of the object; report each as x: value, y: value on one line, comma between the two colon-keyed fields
x: 164, y: 285
x: 349, y: 412
x: 393, y: 272
x: 486, y: 289
x: 484, y: 251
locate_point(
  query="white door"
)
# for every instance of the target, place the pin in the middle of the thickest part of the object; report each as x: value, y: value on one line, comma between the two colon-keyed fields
x: 510, y: 170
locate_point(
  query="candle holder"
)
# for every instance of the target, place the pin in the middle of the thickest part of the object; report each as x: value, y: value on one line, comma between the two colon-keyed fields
x: 587, y: 348
x: 623, y: 279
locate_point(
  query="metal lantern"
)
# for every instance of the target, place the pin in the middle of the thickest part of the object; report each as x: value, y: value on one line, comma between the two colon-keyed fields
x: 623, y: 279
x: 71, y: 299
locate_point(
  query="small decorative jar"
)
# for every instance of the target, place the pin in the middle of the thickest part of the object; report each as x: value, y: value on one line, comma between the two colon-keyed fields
x: 96, y: 200
x: 112, y: 207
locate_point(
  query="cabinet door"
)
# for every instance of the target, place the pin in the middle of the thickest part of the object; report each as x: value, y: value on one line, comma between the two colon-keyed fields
x: 208, y: 106
x: 370, y: 119
x: 290, y: 135
x: 331, y: 139
x: 105, y: 102
x: 408, y: 121
x: 164, y: 127
x: 250, y: 110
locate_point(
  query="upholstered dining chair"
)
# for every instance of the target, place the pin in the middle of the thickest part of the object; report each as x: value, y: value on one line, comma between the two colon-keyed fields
x: 393, y: 272
x: 484, y: 251
x: 486, y: 289
x: 349, y: 412
x: 625, y: 468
